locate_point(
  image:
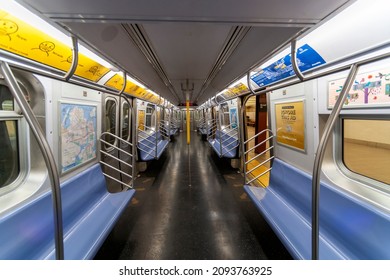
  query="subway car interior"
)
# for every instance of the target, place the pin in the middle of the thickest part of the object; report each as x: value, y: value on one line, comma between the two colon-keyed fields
x: 194, y: 130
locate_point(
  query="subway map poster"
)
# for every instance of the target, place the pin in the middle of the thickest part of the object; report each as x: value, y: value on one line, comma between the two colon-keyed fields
x: 78, y: 135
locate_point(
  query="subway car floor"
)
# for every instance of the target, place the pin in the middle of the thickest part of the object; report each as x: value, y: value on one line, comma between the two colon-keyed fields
x: 190, y: 205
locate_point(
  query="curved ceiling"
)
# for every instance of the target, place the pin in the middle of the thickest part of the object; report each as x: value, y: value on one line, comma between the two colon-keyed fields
x: 186, y: 49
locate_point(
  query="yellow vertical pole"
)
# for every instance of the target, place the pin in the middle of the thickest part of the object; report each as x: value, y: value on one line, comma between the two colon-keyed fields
x: 188, y: 123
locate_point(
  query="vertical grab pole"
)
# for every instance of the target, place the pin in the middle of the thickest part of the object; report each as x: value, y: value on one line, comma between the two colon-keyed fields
x: 119, y: 118
x: 320, y: 156
x: 157, y: 130
x: 47, y: 155
x: 188, y: 122
x: 243, y: 136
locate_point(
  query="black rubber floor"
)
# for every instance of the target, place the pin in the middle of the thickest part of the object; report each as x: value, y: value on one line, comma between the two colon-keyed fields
x: 190, y: 204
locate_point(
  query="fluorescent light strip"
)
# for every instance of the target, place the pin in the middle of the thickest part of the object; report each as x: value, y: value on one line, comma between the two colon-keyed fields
x: 135, y: 82
x: 83, y: 50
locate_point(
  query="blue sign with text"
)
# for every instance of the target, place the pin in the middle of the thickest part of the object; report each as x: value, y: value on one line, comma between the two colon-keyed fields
x: 307, y: 58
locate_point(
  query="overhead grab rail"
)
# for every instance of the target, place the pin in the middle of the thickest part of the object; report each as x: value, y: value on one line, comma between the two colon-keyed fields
x: 268, y: 139
x: 294, y: 61
x: 47, y: 155
x: 117, y: 159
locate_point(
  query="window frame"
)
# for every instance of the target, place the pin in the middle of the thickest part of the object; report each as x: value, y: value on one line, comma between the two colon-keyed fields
x: 339, y: 153
x: 127, y: 138
x: 22, y: 143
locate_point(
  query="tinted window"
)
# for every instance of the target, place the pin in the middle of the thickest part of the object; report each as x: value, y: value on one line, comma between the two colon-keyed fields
x: 110, y: 119
x: 366, y: 148
x: 9, y: 159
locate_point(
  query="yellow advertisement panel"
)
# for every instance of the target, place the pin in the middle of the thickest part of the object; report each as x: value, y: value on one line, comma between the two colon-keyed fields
x: 89, y: 69
x: 236, y: 90
x: 290, y: 124
x: 141, y: 119
x: 18, y: 37
x: 116, y: 82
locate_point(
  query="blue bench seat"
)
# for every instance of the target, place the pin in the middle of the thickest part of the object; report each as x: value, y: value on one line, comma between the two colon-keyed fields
x: 173, y: 131
x: 229, y: 144
x: 349, y: 228
x: 147, y: 146
x: 89, y: 214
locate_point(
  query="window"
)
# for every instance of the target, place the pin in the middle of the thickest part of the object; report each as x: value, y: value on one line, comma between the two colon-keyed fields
x: 9, y: 158
x: 6, y: 99
x: 110, y: 119
x: 148, y: 120
x: 366, y: 148
x: 225, y: 115
x: 125, y: 121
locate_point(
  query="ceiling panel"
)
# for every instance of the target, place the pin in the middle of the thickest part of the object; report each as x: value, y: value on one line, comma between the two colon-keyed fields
x: 233, y: 11
x: 259, y: 42
x: 187, y: 50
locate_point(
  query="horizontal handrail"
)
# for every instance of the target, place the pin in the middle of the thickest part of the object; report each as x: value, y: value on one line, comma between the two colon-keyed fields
x: 115, y: 147
x: 116, y: 169
x: 258, y: 155
x: 231, y: 149
x: 148, y: 140
x: 263, y: 163
x: 231, y: 140
x: 258, y: 176
x: 258, y: 134
x: 116, y: 180
x: 259, y: 144
x: 148, y: 127
x: 116, y: 158
x: 260, y: 164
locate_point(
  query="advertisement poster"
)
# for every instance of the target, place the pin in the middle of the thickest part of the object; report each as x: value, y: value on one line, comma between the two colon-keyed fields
x: 307, y: 58
x: 18, y: 37
x: 368, y: 90
x: 141, y: 119
x: 233, y: 117
x: 290, y: 124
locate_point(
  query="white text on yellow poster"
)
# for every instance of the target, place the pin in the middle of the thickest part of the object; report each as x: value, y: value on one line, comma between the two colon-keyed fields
x: 290, y: 124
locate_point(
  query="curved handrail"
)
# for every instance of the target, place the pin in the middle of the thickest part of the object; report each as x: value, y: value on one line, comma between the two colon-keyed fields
x: 47, y: 155
x: 294, y: 61
x: 320, y: 156
x: 75, y: 59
